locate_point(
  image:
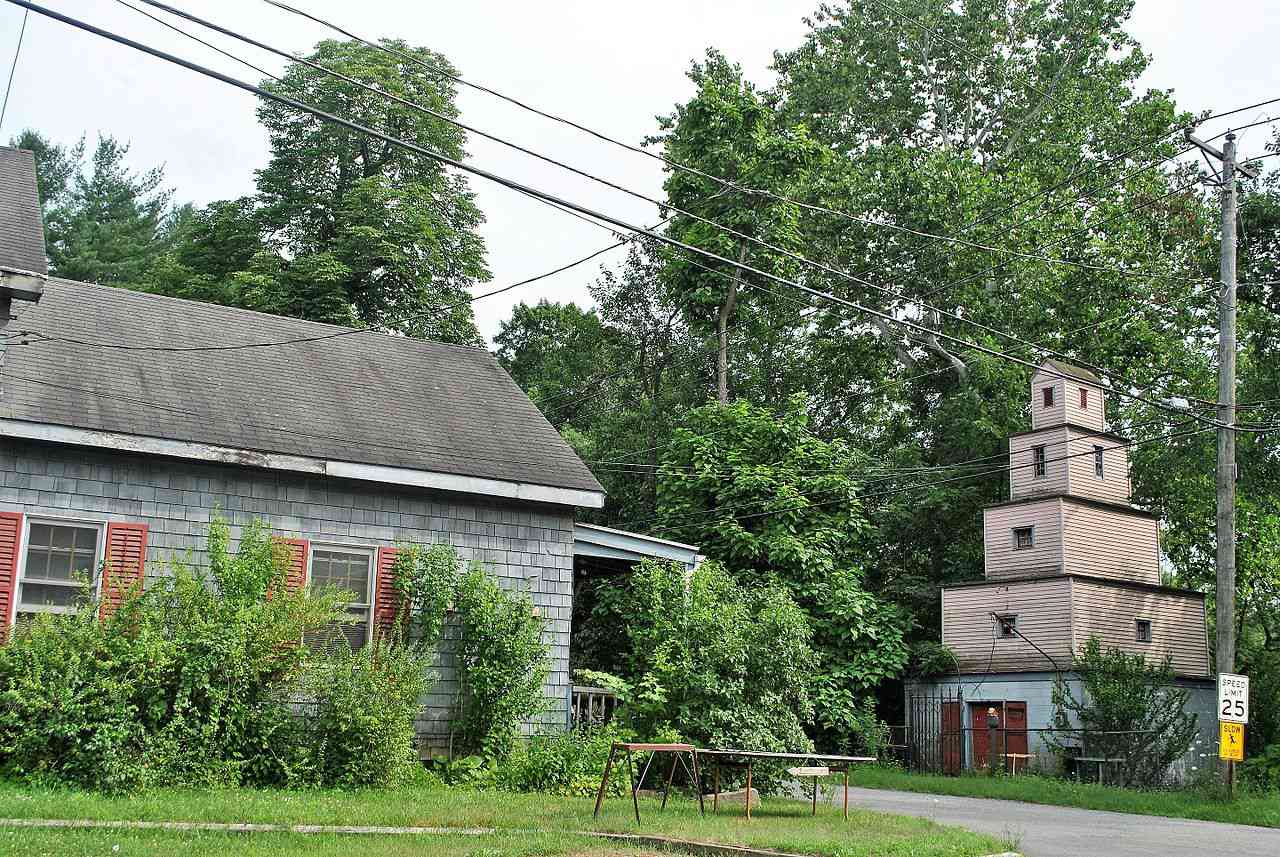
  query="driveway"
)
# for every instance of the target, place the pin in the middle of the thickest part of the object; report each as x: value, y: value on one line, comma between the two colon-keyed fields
x: 1057, y: 831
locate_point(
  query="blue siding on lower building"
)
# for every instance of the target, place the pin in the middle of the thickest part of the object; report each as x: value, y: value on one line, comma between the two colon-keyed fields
x: 1036, y: 690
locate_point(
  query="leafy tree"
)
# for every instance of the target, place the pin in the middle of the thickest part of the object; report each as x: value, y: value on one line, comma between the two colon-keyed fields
x: 394, y: 233
x: 1128, y: 709
x: 778, y: 506
x: 729, y: 130
x: 107, y: 226
x: 1016, y: 126
x: 554, y: 351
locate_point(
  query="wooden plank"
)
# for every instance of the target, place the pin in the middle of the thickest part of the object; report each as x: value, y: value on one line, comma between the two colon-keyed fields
x: 815, y: 771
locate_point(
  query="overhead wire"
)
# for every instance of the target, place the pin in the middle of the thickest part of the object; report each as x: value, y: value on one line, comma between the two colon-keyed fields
x: 13, y: 69
x: 741, y: 236
x: 544, y: 195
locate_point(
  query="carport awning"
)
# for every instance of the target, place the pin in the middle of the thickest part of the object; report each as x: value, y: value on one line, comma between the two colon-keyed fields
x: 590, y: 540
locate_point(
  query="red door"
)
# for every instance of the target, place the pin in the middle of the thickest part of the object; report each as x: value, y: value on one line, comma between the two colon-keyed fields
x: 952, y: 738
x: 1011, y: 732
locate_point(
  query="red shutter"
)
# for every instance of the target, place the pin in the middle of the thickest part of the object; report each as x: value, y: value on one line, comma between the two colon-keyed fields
x: 126, y: 558
x: 296, y: 575
x: 10, y: 550
x: 386, y: 601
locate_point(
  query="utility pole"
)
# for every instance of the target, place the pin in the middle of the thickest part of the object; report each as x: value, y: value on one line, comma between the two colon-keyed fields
x: 1226, y: 474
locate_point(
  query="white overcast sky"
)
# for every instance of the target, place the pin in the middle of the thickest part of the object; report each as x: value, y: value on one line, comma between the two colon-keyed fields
x: 611, y: 66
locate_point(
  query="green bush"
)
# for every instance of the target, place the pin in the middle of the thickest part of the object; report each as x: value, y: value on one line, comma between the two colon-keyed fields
x: 192, y: 682
x: 716, y: 664
x: 502, y: 663
x: 360, y: 726
x: 1129, y: 709
x: 568, y: 763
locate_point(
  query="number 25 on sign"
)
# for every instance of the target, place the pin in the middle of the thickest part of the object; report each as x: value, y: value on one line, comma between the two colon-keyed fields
x: 1231, y: 741
x: 1233, y: 697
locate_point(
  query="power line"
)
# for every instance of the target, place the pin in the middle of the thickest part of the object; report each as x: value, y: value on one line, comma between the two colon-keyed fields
x: 13, y: 69
x: 346, y: 331
x: 738, y: 234
x: 795, y: 256
x: 806, y: 505
x: 545, y: 196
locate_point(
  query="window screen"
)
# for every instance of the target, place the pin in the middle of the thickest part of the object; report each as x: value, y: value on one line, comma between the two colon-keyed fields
x: 1084, y: 399
x: 60, y: 558
x: 1008, y: 624
x: 349, y: 572
x: 1023, y: 537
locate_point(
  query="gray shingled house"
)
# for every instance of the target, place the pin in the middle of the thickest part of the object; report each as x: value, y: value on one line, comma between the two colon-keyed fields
x: 127, y: 418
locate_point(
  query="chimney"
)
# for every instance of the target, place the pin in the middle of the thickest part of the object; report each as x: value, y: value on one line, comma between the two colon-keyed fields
x: 24, y: 267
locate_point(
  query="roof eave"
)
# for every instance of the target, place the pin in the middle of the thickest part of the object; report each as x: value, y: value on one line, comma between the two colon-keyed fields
x: 400, y: 476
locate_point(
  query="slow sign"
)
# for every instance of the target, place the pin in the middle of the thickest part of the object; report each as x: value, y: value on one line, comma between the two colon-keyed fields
x: 1231, y: 741
x: 1233, y: 698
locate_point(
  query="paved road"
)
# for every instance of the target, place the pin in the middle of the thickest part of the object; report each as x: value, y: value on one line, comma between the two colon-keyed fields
x: 1056, y: 831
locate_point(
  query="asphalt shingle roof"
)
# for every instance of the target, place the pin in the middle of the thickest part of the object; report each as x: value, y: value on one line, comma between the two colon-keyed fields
x: 1070, y: 370
x: 365, y: 397
x: 21, y: 227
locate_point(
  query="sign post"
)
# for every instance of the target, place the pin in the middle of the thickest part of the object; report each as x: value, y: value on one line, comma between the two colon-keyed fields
x: 1233, y: 714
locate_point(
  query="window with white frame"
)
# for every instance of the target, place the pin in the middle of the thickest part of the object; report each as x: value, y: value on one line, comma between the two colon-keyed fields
x: 1038, y: 458
x: 349, y: 570
x: 1098, y: 462
x: 59, y: 558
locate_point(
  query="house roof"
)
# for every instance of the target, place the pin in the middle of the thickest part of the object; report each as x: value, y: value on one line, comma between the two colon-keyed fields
x: 1058, y: 367
x: 21, y: 226
x: 351, y: 403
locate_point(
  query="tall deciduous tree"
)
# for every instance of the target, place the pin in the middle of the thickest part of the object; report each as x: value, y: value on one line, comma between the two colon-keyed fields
x: 759, y: 492
x: 729, y: 130
x: 396, y: 231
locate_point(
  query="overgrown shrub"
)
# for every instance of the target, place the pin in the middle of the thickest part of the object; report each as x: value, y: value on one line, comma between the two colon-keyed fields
x: 502, y: 662
x: 1130, y: 709
x: 568, y: 763
x: 718, y: 665
x: 186, y: 683
x: 361, y: 708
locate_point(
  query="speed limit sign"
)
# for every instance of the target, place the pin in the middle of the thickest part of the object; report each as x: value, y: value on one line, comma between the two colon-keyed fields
x: 1233, y: 698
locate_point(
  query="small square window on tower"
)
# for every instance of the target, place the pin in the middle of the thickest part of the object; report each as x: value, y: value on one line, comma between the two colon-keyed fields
x: 1048, y: 397
x: 1084, y: 399
x: 1008, y: 623
x: 1023, y: 538
x: 1144, y: 630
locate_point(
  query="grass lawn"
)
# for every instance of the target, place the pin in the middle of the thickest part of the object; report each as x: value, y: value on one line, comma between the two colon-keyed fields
x: 1247, y: 808
x: 527, y: 824
x: 154, y: 843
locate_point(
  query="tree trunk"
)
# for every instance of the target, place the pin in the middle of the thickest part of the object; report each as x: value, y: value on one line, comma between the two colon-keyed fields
x: 722, y: 327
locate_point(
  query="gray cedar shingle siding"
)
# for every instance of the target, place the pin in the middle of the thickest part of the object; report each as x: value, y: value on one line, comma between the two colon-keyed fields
x: 361, y: 397
x: 21, y: 225
x: 528, y: 547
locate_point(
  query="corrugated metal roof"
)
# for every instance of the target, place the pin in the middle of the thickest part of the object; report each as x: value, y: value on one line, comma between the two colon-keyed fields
x: 21, y: 226
x: 361, y: 397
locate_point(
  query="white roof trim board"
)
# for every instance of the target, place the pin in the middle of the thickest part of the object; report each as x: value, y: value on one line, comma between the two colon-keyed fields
x: 402, y: 476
